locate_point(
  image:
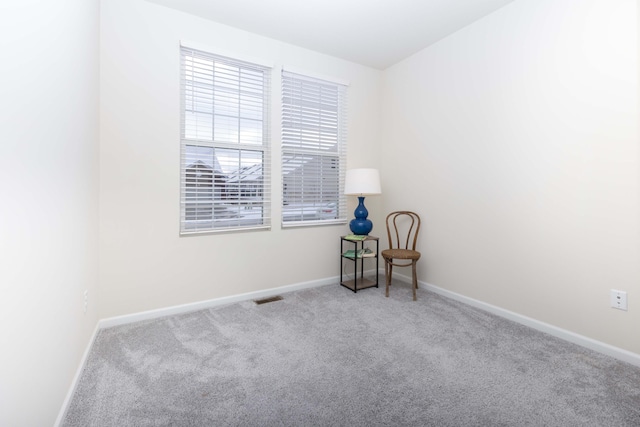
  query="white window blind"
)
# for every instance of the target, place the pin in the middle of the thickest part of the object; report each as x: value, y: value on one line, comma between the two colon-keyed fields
x: 225, y: 168
x: 314, y: 123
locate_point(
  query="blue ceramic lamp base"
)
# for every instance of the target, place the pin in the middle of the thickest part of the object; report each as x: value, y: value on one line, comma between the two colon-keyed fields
x: 361, y: 225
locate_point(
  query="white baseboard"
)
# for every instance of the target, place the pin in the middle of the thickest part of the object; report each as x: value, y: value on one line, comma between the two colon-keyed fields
x: 600, y: 347
x: 76, y: 377
x: 201, y: 305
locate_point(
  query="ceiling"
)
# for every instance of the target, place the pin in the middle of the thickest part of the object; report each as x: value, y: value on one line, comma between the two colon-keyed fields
x: 375, y: 33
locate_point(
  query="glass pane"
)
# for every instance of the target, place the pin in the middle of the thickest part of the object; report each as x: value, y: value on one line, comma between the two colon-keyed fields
x: 226, y: 76
x: 198, y: 126
x: 223, y: 187
x: 199, y: 183
x: 251, y: 107
x: 226, y: 129
x: 250, y: 131
x: 227, y: 103
x: 311, y: 187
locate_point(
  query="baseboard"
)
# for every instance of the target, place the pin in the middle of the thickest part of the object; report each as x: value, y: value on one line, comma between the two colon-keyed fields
x: 202, y: 305
x: 581, y: 340
x: 76, y: 377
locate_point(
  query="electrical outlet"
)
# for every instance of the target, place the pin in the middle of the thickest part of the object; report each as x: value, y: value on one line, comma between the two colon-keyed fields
x: 86, y: 300
x: 619, y: 299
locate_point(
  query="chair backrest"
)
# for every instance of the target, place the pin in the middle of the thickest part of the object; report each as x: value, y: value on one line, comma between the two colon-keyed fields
x: 402, y: 229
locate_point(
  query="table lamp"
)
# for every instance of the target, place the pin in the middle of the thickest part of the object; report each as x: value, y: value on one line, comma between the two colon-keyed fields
x: 361, y: 182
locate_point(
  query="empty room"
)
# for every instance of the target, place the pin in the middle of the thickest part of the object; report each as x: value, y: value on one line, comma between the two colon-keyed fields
x: 184, y: 233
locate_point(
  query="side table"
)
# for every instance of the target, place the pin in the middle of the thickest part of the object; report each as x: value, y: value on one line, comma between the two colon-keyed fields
x: 356, y: 254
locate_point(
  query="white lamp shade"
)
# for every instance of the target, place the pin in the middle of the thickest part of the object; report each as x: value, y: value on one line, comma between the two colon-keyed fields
x: 362, y: 182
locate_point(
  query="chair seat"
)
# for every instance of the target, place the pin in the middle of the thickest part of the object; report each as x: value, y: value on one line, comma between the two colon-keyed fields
x: 400, y: 254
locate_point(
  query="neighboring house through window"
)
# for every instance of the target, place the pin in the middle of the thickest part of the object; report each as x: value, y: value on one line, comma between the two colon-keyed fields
x: 313, y: 150
x: 224, y: 143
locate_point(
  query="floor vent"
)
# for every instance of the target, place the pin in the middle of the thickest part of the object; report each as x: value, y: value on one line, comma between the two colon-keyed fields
x: 266, y: 300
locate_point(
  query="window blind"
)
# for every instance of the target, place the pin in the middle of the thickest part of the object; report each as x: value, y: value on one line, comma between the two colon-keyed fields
x: 314, y: 114
x: 225, y: 167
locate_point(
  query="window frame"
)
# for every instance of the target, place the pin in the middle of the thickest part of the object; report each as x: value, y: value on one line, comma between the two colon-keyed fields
x: 236, y: 186
x: 298, y: 151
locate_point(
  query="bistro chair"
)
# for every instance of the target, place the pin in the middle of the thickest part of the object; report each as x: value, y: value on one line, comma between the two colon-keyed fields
x: 402, y: 231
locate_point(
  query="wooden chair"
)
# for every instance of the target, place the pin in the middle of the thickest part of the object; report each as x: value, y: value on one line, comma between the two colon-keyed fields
x: 402, y: 231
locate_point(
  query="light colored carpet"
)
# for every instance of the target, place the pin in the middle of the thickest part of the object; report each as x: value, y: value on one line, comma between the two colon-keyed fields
x: 329, y: 357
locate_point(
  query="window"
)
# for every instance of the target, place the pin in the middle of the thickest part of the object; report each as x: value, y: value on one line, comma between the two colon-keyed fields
x: 225, y: 176
x: 313, y: 150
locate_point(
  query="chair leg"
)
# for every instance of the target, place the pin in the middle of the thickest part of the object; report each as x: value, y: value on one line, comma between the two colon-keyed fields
x: 387, y: 274
x: 386, y: 278
x: 415, y: 280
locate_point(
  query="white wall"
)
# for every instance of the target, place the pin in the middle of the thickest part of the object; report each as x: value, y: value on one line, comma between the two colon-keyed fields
x: 49, y: 202
x: 520, y: 133
x: 144, y: 263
